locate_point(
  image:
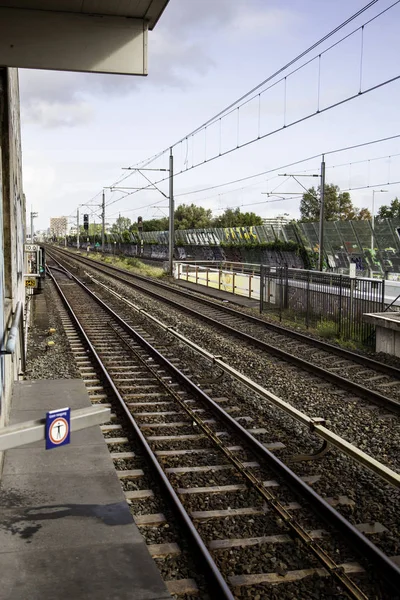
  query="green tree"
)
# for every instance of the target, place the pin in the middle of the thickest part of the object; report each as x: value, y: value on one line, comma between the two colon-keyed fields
x: 192, y: 217
x: 362, y: 214
x: 153, y: 225
x: 338, y: 205
x: 390, y: 212
x: 94, y: 229
x: 235, y: 218
x: 121, y: 224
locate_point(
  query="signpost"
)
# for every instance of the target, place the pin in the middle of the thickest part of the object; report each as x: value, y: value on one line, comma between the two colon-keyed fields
x: 31, y: 282
x: 58, y: 426
x: 31, y: 247
x: 28, y: 432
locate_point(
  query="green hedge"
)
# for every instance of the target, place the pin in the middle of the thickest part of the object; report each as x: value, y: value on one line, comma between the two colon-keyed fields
x: 278, y: 245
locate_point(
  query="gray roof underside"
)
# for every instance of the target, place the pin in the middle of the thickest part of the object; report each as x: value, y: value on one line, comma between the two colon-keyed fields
x: 148, y: 10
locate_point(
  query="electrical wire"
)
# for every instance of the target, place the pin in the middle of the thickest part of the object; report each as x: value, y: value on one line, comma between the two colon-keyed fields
x: 282, y: 69
x: 262, y: 173
x: 224, y: 112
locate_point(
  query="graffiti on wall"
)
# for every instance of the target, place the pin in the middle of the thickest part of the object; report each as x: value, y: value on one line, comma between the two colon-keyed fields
x: 241, y: 234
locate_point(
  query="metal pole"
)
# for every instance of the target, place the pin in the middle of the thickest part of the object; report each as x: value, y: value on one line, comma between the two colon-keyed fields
x: 372, y: 216
x: 77, y: 228
x: 321, y: 216
x: 372, y: 220
x: 171, y: 213
x: 31, y: 227
x: 103, y: 221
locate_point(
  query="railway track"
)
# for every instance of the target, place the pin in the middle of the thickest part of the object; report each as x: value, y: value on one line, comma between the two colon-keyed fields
x: 364, y: 377
x: 220, y: 477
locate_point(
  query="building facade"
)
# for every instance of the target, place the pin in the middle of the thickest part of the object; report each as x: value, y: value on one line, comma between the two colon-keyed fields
x: 12, y: 231
x: 58, y: 226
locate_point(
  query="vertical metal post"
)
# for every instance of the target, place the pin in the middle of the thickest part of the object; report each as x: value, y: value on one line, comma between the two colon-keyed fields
x: 286, y: 291
x: 261, y: 288
x: 171, y: 213
x: 103, y: 221
x: 321, y: 217
x: 308, y: 300
x: 340, y: 311
x: 33, y: 216
x: 77, y: 228
x: 372, y: 221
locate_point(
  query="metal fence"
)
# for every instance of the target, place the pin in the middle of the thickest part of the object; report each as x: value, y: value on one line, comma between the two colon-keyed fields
x: 372, y: 250
x: 332, y: 304
x: 236, y: 278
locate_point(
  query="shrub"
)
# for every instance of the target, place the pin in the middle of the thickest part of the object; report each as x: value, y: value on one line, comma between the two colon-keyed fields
x: 327, y: 329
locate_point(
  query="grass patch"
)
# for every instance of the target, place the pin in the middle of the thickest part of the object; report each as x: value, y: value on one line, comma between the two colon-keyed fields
x: 349, y: 344
x: 129, y: 263
x: 327, y: 329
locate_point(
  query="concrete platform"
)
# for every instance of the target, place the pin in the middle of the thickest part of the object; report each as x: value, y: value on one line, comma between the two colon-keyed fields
x: 218, y: 294
x: 65, y: 528
x: 387, y: 331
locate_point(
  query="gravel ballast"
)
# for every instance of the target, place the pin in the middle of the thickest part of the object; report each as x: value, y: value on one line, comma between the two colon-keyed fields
x: 337, y: 473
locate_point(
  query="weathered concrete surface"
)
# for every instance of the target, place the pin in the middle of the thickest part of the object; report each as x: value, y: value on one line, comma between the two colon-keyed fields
x: 387, y: 331
x: 12, y: 228
x: 65, y: 527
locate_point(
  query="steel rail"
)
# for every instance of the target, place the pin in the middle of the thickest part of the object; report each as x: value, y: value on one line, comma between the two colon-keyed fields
x: 215, y: 578
x: 357, y: 540
x: 315, y: 424
x: 330, y: 566
x: 365, y: 361
x: 257, y: 484
x: 356, y: 388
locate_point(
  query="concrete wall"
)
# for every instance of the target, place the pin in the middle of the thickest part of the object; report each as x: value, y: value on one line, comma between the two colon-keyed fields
x: 12, y: 228
x: 272, y: 258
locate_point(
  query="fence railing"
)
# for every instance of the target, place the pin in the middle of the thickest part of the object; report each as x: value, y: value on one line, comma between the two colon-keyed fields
x: 333, y: 304
x: 244, y: 282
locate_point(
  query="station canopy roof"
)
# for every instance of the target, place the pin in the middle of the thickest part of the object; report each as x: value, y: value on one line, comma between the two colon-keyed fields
x: 107, y: 36
x: 147, y: 10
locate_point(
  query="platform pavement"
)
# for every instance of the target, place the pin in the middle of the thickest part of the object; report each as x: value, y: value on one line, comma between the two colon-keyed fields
x: 66, y: 531
x: 218, y: 294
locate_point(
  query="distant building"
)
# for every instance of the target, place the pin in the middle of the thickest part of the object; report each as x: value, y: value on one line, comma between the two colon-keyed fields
x: 58, y: 226
x: 277, y: 222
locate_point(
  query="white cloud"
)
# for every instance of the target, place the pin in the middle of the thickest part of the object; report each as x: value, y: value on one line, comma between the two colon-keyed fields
x: 39, y: 176
x: 57, y: 114
x: 261, y: 21
x: 178, y: 52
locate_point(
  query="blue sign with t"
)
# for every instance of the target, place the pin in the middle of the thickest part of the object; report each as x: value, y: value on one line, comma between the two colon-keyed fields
x: 58, y: 428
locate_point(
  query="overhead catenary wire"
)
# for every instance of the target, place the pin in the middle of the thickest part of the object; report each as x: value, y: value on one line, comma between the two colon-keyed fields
x: 270, y: 78
x: 232, y: 182
x: 363, y: 187
x: 273, y: 76
x: 285, y: 166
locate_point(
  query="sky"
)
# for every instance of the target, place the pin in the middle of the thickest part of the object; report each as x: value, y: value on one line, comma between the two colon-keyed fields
x: 79, y: 130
